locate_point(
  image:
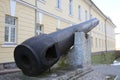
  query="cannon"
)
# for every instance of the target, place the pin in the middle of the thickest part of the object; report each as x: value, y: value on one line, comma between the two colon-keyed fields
x: 37, y: 54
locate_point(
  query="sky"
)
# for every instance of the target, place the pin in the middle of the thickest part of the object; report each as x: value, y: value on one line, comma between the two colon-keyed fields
x: 111, y: 8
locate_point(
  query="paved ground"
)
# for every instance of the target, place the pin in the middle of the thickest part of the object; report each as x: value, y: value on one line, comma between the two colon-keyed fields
x: 94, y: 75
x: 108, y: 70
x: 99, y: 73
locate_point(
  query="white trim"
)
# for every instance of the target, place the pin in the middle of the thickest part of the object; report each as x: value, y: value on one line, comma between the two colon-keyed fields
x: 10, y: 26
x: 40, y: 17
x: 42, y: 1
x: 9, y: 35
x: 45, y: 12
x: 5, y: 45
x: 12, y: 7
x: 26, y: 4
x: 58, y: 9
x: 54, y: 16
x: 59, y: 4
x: 58, y: 26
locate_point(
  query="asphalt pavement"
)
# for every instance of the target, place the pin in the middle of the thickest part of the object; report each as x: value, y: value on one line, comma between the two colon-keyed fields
x: 108, y: 70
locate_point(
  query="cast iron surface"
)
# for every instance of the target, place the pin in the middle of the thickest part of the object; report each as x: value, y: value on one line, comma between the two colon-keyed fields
x: 39, y: 53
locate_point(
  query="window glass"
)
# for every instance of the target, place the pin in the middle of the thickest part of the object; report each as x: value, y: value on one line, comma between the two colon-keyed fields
x: 10, y: 29
x: 6, y: 34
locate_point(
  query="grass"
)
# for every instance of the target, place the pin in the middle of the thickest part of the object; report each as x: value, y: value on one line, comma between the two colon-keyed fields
x: 106, y: 58
x: 111, y: 77
x: 118, y: 59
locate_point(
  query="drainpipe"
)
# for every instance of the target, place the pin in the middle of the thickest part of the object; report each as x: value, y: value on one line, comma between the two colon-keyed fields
x: 90, y: 10
x: 35, y: 15
x: 90, y: 18
x: 106, y: 35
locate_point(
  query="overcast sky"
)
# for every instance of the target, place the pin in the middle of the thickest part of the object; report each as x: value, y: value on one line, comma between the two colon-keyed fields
x: 110, y: 8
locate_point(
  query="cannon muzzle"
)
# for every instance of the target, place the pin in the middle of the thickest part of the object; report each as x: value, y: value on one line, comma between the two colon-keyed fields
x: 39, y: 53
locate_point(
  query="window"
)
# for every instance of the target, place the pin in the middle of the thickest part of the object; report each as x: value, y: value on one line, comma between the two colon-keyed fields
x: 70, y: 7
x: 91, y: 16
x: 99, y: 26
x: 92, y: 42
x: 10, y: 29
x: 79, y: 12
x: 39, y: 29
x: 103, y: 44
x: 59, y: 4
x: 96, y: 42
x: 102, y: 27
x: 86, y: 15
x: 99, y: 43
x: 39, y: 25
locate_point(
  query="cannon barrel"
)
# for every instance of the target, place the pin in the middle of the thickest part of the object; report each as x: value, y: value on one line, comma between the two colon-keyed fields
x: 39, y: 53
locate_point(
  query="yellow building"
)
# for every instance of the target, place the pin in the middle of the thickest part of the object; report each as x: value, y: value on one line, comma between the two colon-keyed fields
x: 117, y: 37
x: 22, y: 19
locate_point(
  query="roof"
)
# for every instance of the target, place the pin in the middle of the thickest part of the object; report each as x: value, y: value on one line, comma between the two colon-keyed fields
x: 91, y: 3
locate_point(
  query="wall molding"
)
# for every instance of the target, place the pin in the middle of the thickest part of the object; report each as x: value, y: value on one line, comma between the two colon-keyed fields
x: 44, y: 12
x: 12, y: 7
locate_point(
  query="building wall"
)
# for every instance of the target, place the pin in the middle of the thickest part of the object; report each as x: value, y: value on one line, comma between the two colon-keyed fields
x: 5, y: 53
x: 52, y: 19
x: 117, y: 37
x: 25, y: 28
x: 26, y: 22
x: 98, y: 33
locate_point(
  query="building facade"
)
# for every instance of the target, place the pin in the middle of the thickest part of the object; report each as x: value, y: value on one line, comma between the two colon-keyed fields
x: 117, y: 37
x: 22, y: 19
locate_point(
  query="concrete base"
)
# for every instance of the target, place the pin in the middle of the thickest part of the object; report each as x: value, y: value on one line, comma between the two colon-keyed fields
x: 10, y: 65
x: 1, y: 67
x: 58, y: 74
x: 80, y: 54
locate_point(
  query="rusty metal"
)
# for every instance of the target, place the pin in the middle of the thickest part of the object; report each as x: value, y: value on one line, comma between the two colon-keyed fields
x: 38, y: 54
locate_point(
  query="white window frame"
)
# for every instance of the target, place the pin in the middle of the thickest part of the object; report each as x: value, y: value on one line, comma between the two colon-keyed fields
x: 59, y: 4
x: 70, y: 7
x: 10, y: 26
x: 79, y: 12
x: 91, y: 16
x: 38, y: 31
